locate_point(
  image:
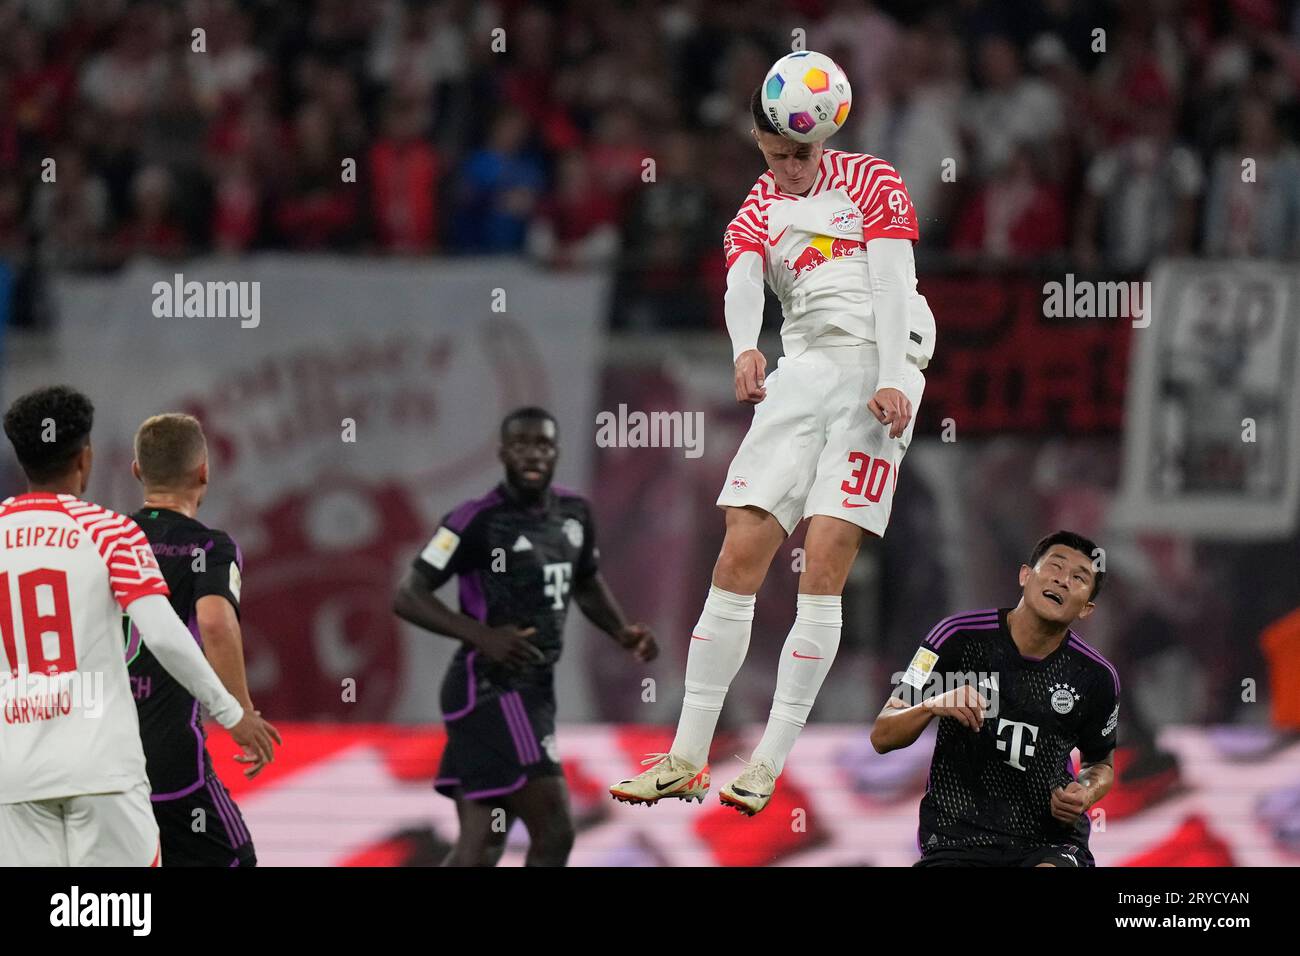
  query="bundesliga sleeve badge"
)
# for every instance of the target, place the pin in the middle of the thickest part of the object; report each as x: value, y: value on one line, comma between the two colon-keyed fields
x: 439, y: 550
x: 918, y: 672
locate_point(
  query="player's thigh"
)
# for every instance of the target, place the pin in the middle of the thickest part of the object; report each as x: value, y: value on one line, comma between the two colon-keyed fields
x: 858, y: 469
x: 752, y: 539
x: 484, y: 824
x: 31, y: 834
x: 543, y: 805
x: 112, y: 829
x: 774, y: 466
x: 204, y: 828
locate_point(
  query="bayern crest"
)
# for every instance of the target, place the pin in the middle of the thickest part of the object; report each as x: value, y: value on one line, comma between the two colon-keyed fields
x: 1063, y: 698
x: 573, y: 531
x: 552, y: 751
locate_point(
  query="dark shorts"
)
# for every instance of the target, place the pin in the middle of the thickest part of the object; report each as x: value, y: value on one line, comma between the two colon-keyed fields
x: 1062, y: 854
x: 497, y: 740
x: 204, y: 828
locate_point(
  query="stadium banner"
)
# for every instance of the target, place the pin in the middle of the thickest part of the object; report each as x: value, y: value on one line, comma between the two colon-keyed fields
x: 361, y: 795
x: 1212, y: 429
x: 1004, y: 366
x: 348, y: 404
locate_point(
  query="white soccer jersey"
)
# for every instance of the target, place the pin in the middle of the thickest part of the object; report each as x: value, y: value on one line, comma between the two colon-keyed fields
x: 814, y: 249
x: 68, y: 725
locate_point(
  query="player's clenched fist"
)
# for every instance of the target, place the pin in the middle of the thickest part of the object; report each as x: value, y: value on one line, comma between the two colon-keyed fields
x: 639, y: 639
x: 964, y: 704
x: 1069, y: 801
x: 750, y: 370
x: 891, y: 407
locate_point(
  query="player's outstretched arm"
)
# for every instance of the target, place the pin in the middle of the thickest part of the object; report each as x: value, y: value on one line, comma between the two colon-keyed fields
x: 596, y: 601
x: 898, y: 725
x: 223, y: 645
x: 416, y: 604
x: 170, y: 642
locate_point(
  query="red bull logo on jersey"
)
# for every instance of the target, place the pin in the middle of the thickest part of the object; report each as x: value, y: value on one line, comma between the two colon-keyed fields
x: 846, y: 220
x: 821, y: 250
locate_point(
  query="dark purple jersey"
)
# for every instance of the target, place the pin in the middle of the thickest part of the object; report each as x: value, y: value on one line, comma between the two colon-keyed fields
x: 196, y: 561
x: 993, y: 788
x: 517, y: 564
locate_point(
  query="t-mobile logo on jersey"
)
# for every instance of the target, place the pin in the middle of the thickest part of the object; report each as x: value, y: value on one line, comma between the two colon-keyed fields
x: 1020, y: 747
x: 557, y: 582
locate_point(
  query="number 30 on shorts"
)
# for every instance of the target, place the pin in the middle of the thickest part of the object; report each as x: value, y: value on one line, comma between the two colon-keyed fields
x: 867, y: 478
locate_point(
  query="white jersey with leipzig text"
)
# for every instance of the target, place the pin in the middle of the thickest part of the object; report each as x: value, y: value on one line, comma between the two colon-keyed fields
x: 68, y: 569
x: 814, y: 249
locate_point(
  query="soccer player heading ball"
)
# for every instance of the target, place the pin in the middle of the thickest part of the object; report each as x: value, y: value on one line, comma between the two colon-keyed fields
x: 831, y: 232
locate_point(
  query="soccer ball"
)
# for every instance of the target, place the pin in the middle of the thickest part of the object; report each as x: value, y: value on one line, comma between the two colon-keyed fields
x: 806, y: 96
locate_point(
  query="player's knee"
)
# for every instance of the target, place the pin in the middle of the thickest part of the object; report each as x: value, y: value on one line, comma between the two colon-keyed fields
x: 555, y: 841
x: 740, y: 568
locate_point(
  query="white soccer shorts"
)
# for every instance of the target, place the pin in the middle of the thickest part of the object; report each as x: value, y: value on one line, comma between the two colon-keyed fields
x: 815, y: 448
x: 97, y: 829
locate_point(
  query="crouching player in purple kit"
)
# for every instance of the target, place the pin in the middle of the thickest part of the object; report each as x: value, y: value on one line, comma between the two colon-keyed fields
x: 1028, y: 690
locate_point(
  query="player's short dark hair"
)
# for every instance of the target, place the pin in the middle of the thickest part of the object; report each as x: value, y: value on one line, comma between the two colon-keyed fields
x: 168, y: 448
x: 761, y: 121
x: 529, y: 413
x: 48, y: 428
x: 1079, y: 543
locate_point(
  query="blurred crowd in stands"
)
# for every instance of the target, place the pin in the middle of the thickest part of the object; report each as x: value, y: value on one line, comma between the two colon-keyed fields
x: 1031, y: 133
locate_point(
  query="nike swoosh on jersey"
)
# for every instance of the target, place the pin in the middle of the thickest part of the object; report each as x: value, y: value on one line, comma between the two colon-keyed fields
x: 856, y: 504
x: 773, y: 241
x: 806, y: 657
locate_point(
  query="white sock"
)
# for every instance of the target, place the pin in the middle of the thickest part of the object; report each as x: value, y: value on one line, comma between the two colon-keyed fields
x: 718, y: 646
x: 814, y: 638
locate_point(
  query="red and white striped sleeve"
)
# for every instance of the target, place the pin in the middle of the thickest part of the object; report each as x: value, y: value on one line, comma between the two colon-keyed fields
x: 748, y: 230
x: 133, y: 570
x: 879, y: 192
